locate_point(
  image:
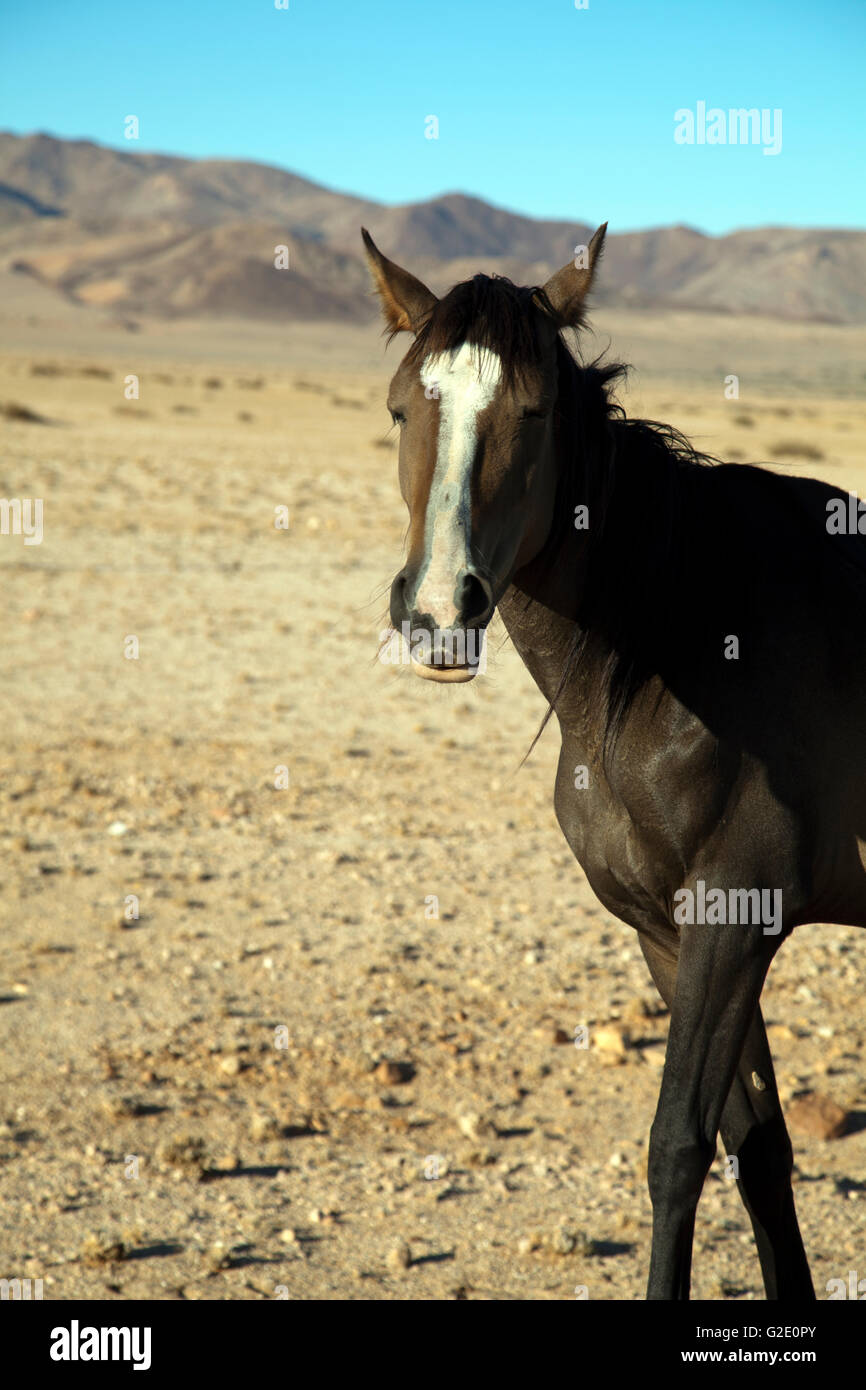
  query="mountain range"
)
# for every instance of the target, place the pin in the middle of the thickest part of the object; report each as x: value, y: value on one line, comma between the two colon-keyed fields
x: 151, y: 235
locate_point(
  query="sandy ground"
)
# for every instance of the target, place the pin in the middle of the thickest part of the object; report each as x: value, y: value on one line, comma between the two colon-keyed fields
x: 285, y: 1077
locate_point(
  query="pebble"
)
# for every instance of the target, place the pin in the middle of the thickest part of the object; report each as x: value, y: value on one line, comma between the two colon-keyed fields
x: 637, y: 1011
x: 399, y: 1257
x: 816, y: 1116
x: 121, y: 1107
x: 393, y: 1073
x: 566, y: 1241
x: 477, y: 1127
x: 613, y: 1037
x: 263, y: 1127
x: 654, y: 1055
x: 562, y: 1241
x: 218, y: 1257
x: 187, y: 1154
x: 780, y: 1032
x: 96, y: 1250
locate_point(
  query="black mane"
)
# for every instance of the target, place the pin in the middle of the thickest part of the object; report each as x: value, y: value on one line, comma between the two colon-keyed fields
x: 630, y: 474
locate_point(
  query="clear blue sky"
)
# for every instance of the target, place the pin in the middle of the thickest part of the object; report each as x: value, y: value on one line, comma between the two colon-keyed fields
x: 543, y: 108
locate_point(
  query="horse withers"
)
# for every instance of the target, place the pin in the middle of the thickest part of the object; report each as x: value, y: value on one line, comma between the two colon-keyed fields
x: 699, y: 632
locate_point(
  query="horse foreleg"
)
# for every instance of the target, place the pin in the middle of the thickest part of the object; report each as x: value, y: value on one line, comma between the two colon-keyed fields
x: 720, y: 974
x: 754, y: 1133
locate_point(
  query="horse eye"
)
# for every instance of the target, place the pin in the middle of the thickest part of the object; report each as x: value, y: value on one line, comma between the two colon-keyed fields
x: 398, y: 417
x: 539, y: 414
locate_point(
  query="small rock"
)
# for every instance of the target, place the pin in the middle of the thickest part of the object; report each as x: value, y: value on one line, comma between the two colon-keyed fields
x: 654, y: 1054
x: 636, y: 1011
x: 263, y: 1127
x: 562, y: 1242
x: 780, y: 1032
x: 393, y: 1073
x: 565, y: 1241
x: 117, y: 827
x: 399, y: 1257
x: 477, y: 1127
x: 98, y: 1251
x: 121, y: 1107
x: 349, y: 1100
x: 231, y: 1066
x: 613, y: 1037
x: 218, y: 1257
x: 815, y: 1116
x: 186, y: 1155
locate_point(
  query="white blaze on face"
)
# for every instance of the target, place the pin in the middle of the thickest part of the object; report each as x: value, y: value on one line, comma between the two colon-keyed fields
x: 466, y: 379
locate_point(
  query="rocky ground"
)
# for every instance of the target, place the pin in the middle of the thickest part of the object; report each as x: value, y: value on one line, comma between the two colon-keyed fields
x: 332, y: 1056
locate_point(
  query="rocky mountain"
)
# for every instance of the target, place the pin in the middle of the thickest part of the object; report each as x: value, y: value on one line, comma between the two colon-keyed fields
x: 162, y: 236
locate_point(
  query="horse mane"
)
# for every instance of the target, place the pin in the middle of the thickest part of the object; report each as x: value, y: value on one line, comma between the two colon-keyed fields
x: 631, y: 474
x: 658, y: 508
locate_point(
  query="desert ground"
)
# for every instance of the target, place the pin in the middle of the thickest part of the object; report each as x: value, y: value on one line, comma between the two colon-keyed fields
x: 284, y: 1077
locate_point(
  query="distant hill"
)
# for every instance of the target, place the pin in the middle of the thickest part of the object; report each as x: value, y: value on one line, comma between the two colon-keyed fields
x: 148, y: 234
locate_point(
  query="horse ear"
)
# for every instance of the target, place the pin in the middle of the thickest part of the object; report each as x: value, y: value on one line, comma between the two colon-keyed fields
x: 406, y: 302
x: 566, y: 291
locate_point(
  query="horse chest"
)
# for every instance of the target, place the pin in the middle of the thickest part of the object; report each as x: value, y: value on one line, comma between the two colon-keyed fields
x: 623, y: 863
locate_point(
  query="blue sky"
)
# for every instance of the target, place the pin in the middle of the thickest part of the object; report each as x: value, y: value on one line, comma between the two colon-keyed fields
x: 542, y: 108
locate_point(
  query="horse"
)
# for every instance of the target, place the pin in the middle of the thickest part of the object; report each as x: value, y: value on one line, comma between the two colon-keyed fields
x: 698, y: 630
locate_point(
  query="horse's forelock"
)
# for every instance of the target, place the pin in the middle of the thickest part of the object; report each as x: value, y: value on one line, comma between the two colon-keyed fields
x: 491, y: 312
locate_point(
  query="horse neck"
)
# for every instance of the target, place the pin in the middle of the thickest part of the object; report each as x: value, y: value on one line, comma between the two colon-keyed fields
x: 539, y: 610
x: 541, y: 607
x: 591, y: 589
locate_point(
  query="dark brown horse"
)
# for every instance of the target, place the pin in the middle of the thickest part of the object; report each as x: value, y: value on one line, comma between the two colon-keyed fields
x: 699, y: 630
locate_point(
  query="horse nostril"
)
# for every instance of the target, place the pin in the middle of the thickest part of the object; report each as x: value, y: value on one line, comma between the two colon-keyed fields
x: 398, y: 609
x: 476, y: 600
